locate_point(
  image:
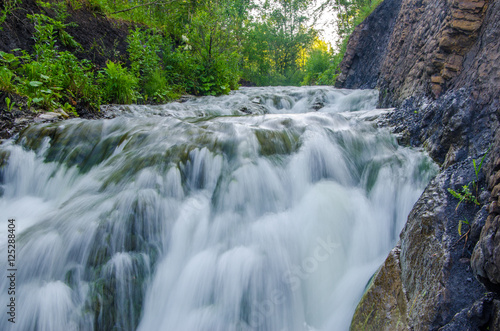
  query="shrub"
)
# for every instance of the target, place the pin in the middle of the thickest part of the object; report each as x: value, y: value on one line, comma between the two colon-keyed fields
x: 119, y: 86
x: 7, y: 80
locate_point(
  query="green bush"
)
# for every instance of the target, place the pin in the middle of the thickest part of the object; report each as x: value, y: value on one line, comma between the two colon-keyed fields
x: 155, y: 86
x: 317, y: 63
x: 119, y: 86
x: 144, y: 49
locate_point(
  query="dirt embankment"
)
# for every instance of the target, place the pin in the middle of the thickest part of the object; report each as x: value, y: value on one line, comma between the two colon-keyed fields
x: 438, y: 64
x: 101, y: 39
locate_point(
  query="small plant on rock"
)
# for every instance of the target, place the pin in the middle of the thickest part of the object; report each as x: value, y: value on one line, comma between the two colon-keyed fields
x: 466, y: 192
x: 9, y: 104
x: 464, y: 195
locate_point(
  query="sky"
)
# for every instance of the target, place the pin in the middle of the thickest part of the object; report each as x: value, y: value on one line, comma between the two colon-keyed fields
x: 325, y: 24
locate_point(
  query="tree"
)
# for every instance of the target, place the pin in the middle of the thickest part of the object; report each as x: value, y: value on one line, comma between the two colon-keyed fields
x: 275, y: 43
x: 317, y: 62
x: 213, y: 41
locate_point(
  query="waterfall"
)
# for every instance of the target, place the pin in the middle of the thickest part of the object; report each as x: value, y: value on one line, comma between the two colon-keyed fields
x: 266, y: 209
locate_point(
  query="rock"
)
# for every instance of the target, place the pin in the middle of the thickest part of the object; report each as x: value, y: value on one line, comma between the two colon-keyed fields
x: 478, y: 317
x: 437, y: 89
x: 186, y: 97
x: 437, y: 79
x: 384, y: 304
x: 44, y: 117
x: 245, y: 110
x: 440, y: 72
x: 465, y: 25
x: 366, y: 48
x: 486, y: 255
x: 62, y: 112
x: 317, y: 105
x: 419, y: 40
x: 431, y: 271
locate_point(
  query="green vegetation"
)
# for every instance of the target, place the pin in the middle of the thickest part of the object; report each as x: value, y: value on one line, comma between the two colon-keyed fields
x: 464, y: 195
x: 469, y: 193
x: 9, y: 104
x: 49, y: 78
x: 8, y: 7
x: 466, y: 192
x: 119, y: 85
x: 174, y: 47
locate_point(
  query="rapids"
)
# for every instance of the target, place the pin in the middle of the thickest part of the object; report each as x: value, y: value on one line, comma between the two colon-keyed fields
x: 267, y: 209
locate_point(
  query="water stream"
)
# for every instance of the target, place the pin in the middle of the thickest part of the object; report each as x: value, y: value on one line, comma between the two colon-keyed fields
x: 267, y: 209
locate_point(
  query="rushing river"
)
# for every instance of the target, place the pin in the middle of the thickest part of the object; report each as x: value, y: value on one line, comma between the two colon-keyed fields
x: 267, y: 209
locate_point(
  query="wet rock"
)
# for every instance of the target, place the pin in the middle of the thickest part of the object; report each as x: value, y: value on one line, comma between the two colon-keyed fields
x: 317, y: 105
x: 384, y: 304
x: 244, y: 110
x: 13, y: 122
x: 440, y: 71
x: 62, y: 113
x: 478, y: 317
x: 431, y: 252
x: 486, y: 257
x: 186, y: 97
x: 367, y: 47
x: 253, y: 109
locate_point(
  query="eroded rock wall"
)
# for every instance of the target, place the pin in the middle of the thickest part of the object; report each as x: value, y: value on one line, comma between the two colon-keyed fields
x: 441, y: 72
x: 367, y: 47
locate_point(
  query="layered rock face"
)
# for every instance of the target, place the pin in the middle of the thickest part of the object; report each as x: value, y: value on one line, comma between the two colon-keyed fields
x: 367, y: 49
x: 439, y: 66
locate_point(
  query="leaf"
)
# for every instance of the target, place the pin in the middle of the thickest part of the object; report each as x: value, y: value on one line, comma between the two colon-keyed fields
x: 37, y: 100
x: 460, y: 228
x: 482, y: 159
x: 35, y: 83
x: 47, y: 91
x: 44, y: 77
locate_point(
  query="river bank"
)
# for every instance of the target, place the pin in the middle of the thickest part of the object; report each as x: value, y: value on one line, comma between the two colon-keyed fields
x: 439, y: 69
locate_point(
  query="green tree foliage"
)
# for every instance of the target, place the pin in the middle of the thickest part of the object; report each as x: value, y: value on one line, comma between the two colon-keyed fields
x: 274, y: 45
x: 317, y: 64
x: 212, y: 42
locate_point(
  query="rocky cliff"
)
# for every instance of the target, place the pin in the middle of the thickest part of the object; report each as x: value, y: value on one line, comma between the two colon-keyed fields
x: 438, y: 64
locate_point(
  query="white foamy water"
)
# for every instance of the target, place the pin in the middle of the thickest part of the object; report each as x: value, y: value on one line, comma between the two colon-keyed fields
x: 267, y: 209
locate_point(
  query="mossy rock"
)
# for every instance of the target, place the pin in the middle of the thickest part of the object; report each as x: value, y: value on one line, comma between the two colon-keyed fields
x: 383, y: 305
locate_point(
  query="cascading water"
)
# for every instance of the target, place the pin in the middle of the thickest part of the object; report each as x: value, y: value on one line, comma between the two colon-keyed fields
x: 268, y: 209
